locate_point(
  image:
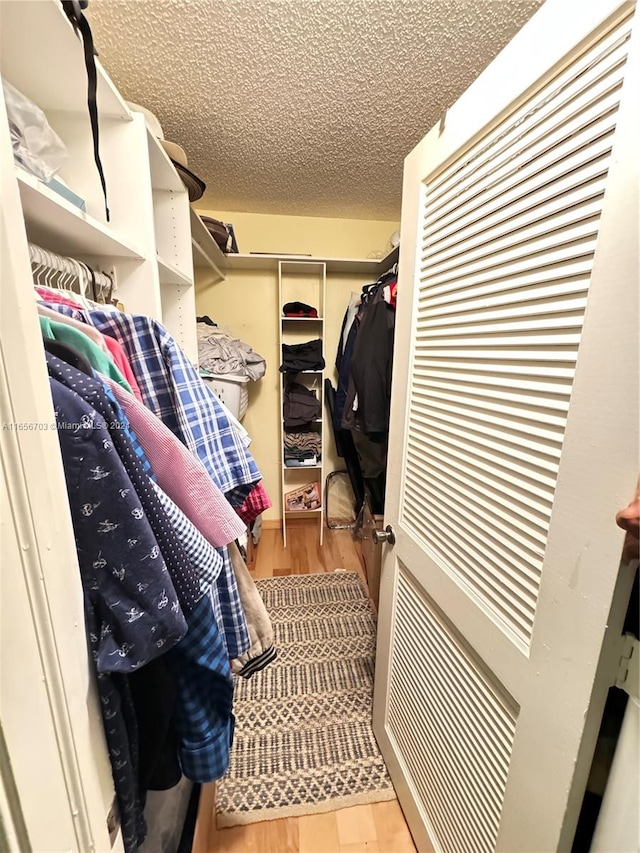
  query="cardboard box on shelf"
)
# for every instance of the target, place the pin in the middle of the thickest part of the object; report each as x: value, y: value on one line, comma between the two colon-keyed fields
x: 303, y: 499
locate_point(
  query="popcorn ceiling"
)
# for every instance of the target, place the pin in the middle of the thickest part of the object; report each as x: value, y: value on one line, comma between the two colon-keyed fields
x: 302, y: 107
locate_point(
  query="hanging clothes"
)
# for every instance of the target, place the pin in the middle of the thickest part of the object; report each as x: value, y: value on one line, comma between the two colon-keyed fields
x: 156, y: 490
x: 90, y: 390
x: 262, y: 651
x: 132, y: 613
x: 122, y: 363
x: 343, y: 366
x: 88, y: 331
x: 187, y: 546
x: 130, y: 591
x: 172, y: 389
x: 256, y: 502
x: 180, y: 474
x: 368, y: 396
x: 204, y: 719
x: 347, y: 321
x: 362, y: 400
x: 153, y: 694
x: 57, y: 331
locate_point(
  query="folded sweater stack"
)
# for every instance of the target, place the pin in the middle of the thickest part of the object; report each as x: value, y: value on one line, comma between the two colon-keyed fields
x: 302, y: 449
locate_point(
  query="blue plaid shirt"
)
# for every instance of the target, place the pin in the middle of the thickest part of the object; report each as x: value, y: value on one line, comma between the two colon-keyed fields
x: 228, y: 609
x: 203, y: 717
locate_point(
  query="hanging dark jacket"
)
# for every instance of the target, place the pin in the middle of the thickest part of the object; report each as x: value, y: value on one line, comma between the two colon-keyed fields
x: 371, y: 369
x: 343, y: 365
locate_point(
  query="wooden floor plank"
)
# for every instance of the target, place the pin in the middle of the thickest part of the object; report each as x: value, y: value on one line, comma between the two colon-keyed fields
x: 206, y: 819
x: 356, y: 825
x: 331, y: 557
x: 318, y: 833
x: 234, y: 839
x: 391, y: 828
x: 350, y: 553
x: 297, y: 544
x: 276, y: 836
x: 265, y: 554
x: 316, y: 555
x: 363, y: 847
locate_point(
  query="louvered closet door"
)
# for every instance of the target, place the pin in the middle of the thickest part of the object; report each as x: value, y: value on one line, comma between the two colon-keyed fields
x: 514, y: 436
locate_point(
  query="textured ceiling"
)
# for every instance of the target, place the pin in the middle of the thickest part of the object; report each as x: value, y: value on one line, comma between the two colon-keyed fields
x: 303, y: 107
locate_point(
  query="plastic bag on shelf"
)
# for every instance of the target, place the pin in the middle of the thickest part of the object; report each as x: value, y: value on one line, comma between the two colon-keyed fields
x: 36, y: 147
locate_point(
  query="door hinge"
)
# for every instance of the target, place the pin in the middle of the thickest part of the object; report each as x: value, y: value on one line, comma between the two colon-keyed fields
x: 628, y: 675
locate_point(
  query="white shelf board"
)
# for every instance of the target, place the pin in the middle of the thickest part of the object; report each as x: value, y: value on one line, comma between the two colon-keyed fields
x: 200, y: 257
x: 56, y: 224
x: 170, y: 274
x: 39, y: 49
x: 291, y: 266
x: 206, y: 252
x: 302, y: 511
x: 301, y: 468
x: 302, y: 319
x: 163, y: 173
x: 360, y: 266
x: 270, y: 262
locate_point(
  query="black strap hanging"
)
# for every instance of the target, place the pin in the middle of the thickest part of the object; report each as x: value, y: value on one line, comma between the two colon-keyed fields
x: 73, y: 10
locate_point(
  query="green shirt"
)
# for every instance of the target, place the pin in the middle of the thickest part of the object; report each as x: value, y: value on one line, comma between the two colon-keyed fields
x: 83, y: 345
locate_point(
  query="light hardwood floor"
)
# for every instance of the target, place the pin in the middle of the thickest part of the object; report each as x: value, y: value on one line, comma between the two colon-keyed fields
x: 375, y: 828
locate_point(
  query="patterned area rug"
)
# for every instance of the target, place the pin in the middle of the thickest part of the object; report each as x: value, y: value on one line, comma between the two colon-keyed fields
x: 303, y: 742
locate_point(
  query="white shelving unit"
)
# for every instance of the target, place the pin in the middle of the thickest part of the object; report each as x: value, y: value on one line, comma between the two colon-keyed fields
x: 172, y: 230
x: 302, y: 281
x: 48, y: 706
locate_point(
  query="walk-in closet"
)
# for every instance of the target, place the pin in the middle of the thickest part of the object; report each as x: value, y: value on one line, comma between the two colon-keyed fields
x: 320, y: 442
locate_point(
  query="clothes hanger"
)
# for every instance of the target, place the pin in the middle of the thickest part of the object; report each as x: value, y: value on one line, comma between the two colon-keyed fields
x: 48, y: 277
x: 37, y: 270
x: 79, y: 276
x: 66, y: 276
x: 89, y: 279
x: 71, y: 276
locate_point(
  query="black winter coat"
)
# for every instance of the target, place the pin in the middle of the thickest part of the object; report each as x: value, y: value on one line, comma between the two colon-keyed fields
x: 371, y: 369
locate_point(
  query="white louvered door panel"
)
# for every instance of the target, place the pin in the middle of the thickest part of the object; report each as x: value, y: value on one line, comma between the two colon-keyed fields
x: 514, y: 437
